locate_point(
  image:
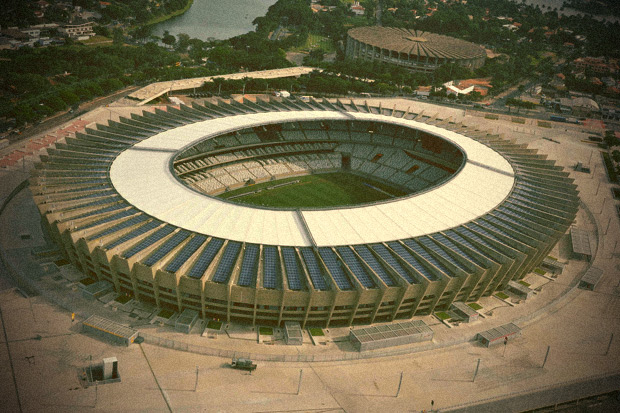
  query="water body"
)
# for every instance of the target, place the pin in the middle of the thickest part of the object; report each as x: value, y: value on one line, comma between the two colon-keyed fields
x: 219, y: 19
x: 548, y: 5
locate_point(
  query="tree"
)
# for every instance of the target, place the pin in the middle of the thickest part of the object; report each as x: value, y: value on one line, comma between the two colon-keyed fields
x: 24, y: 113
x: 615, y: 155
x: 182, y: 43
x: 101, y: 31
x: 68, y: 97
x: 117, y: 36
x: 141, y: 33
x: 110, y: 85
x: 610, y: 139
x: 314, y: 58
x: 56, y: 103
x: 168, y: 39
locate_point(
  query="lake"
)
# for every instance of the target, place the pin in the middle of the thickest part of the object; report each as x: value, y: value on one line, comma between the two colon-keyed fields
x: 547, y: 5
x: 219, y: 19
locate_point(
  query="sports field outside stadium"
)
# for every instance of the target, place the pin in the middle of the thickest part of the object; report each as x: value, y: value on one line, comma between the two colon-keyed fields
x: 314, y: 191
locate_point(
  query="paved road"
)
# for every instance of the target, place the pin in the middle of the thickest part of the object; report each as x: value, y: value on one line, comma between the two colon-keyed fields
x: 547, y: 396
x: 513, y: 92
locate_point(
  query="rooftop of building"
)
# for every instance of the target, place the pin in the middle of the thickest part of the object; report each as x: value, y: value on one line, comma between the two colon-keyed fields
x: 417, y: 42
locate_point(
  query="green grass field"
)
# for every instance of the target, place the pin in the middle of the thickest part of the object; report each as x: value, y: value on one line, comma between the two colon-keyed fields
x: 316, y: 331
x: 315, y: 41
x: 314, y: 191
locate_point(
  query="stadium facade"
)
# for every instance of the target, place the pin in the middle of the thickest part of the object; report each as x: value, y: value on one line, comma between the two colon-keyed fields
x: 126, y: 203
x: 412, y: 49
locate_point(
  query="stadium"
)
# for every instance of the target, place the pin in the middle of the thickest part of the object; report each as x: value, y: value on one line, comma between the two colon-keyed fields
x: 412, y: 49
x: 323, y: 213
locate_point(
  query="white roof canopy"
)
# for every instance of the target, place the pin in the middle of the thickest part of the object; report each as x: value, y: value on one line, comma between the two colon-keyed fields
x: 143, y: 176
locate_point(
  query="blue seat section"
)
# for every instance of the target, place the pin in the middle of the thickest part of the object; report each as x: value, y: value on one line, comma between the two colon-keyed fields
x: 387, y: 256
x: 168, y: 246
x: 293, y: 274
x: 207, y: 255
x: 104, y: 201
x: 356, y: 267
x: 271, y: 267
x: 222, y: 274
x: 428, y: 243
x: 428, y: 257
x: 335, y: 268
x: 512, y: 225
x: 148, y: 241
x: 482, y: 231
x: 133, y: 234
x: 187, y: 251
x: 411, y: 260
x: 111, y: 208
x: 464, y: 232
x: 454, y: 247
x: 125, y: 224
x: 247, y: 276
x: 498, y: 228
x: 109, y: 218
x: 312, y: 264
x: 98, y: 194
x: 370, y: 259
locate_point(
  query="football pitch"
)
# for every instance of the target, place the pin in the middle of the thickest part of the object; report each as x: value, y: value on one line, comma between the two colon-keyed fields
x: 314, y: 191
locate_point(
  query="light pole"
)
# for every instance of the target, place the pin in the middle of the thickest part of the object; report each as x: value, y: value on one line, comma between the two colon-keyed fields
x: 301, y: 372
x: 196, y: 383
x: 400, y: 382
x: 476, y: 371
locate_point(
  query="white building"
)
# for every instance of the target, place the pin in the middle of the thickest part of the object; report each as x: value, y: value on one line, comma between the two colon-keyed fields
x: 358, y: 9
x: 78, y: 31
x: 451, y: 89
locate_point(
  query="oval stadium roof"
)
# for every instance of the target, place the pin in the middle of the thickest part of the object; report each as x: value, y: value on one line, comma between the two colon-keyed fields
x: 142, y: 176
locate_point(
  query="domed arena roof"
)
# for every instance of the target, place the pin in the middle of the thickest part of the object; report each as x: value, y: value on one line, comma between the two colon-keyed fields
x: 417, y: 42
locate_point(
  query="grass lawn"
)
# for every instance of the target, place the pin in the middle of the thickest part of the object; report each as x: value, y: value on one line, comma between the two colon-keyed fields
x: 265, y: 331
x: 316, y: 41
x: 97, y: 40
x: 442, y: 315
x: 611, y: 171
x: 502, y: 295
x: 540, y: 271
x: 475, y: 306
x: 524, y: 283
x: 315, y: 191
x: 123, y: 299
x: 544, y: 124
x: 315, y: 331
x: 215, y: 325
x: 165, y: 313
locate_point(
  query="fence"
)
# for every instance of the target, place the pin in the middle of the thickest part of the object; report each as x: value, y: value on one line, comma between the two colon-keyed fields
x: 208, y: 351
x: 607, y: 378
